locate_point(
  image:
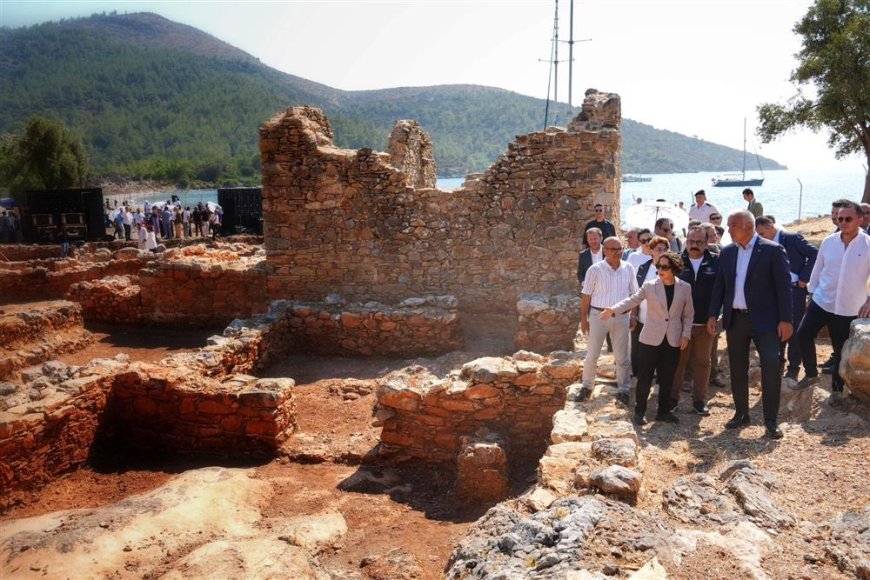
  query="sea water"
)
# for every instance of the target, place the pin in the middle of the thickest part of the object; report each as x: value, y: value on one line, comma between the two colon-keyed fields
x: 786, y: 194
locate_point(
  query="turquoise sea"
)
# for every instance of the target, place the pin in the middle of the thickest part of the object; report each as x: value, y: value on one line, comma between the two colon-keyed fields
x: 782, y: 194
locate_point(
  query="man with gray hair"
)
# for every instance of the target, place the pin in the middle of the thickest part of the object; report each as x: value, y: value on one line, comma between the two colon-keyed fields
x: 607, y: 282
x: 753, y: 291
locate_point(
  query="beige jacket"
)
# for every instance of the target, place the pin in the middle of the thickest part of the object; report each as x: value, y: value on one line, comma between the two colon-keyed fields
x: 674, y: 323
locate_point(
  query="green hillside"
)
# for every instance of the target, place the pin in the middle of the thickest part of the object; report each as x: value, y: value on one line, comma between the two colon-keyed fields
x: 153, y: 98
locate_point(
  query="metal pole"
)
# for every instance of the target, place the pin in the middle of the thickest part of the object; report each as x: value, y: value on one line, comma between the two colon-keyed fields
x: 570, y: 57
x: 556, y: 56
x: 800, y: 199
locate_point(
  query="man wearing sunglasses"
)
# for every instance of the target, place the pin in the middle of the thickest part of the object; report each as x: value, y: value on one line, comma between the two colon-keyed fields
x: 664, y: 227
x: 607, y: 282
x: 838, y: 286
x: 604, y: 225
x: 801, y: 259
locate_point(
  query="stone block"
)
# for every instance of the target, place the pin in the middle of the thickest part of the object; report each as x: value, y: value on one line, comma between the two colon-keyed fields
x: 482, y: 471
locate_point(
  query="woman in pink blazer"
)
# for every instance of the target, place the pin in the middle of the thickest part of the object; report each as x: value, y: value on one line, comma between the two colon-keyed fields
x: 667, y: 330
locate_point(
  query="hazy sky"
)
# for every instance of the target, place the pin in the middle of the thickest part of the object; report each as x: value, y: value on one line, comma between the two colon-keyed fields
x: 697, y: 67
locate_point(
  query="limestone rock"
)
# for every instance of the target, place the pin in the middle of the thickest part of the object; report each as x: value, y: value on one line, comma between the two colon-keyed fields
x: 795, y: 405
x: 397, y: 564
x: 313, y: 533
x: 847, y: 542
x: 558, y: 542
x: 258, y: 558
x: 569, y: 425
x: 482, y: 470
x: 616, y: 451
x: 617, y: 480
x: 855, y: 360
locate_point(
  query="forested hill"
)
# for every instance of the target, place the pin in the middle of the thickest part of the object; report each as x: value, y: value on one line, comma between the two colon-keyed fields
x: 153, y: 98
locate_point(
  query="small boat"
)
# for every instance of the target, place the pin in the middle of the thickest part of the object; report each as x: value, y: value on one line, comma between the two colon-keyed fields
x: 635, y: 179
x: 740, y: 180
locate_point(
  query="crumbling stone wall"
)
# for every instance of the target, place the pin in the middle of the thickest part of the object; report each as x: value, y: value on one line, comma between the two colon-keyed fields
x: 427, y: 418
x: 414, y: 327
x: 154, y: 408
x: 38, y: 331
x: 197, y: 292
x: 547, y: 323
x: 350, y: 222
x: 410, y: 150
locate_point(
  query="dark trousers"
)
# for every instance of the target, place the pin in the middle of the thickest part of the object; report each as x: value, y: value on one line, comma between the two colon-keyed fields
x: 739, y: 336
x: 635, y: 341
x: 838, y: 328
x: 798, y: 307
x: 127, y: 231
x: 662, y: 361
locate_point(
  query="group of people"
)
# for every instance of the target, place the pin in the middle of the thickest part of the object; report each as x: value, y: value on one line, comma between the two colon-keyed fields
x: 170, y: 221
x: 662, y: 304
x: 10, y: 227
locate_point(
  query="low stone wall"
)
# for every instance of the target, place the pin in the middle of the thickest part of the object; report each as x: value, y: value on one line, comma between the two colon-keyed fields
x: 50, y: 279
x: 203, y: 287
x: 415, y: 327
x: 152, y: 408
x: 48, y: 425
x: 547, y: 323
x: 190, y: 403
x: 425, y: 417
x: 35, y: 332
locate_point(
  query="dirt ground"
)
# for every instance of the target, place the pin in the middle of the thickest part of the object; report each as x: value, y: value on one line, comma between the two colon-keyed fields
x: 404, y: 522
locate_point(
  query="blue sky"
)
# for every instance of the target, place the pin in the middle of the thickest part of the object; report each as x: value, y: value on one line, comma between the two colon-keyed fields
x: 697, y: 67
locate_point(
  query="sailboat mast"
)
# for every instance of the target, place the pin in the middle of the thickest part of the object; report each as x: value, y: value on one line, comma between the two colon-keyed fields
x: 744, y: 148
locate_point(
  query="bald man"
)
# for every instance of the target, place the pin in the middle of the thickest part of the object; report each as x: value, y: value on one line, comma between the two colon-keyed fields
x: 753, y: 291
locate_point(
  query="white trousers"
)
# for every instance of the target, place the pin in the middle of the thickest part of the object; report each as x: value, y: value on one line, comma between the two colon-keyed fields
x: 617, y: 327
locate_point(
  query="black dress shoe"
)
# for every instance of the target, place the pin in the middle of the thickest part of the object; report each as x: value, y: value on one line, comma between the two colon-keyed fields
x: 623, y: 398
x: 771, y: 431
x: 738, y: 420
x: 701, y: 409
x: 667, y: 417
x: 584, y: 394
x: 639, y: 419
x: 828, y: 363
x: 791, y: 374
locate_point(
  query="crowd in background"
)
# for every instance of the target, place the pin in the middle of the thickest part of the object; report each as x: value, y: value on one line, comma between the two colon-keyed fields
x: 163, y: 221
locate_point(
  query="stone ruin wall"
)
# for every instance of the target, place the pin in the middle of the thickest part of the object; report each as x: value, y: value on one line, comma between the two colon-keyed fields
x: 353, y: 222
x: 428, y: 418
x: 200, y: 403
x: 547, y: 323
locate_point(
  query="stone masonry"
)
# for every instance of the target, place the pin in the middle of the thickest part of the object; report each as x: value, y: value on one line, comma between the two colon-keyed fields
x: 547, y: 323
x: 360, y: 224
x: 427, y: 418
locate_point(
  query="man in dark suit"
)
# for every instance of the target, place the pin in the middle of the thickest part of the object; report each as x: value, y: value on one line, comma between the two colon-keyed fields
x: 591, y: 255
x: 801, y: 258
x: 753, y: 289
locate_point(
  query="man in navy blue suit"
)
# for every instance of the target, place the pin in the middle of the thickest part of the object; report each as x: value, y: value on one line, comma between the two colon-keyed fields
x: 801, y: 258
x: 753, y: 290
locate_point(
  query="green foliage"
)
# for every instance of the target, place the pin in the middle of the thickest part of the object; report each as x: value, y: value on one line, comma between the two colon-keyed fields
x: 154, y: 99
x: 43, y: 156
x: 834, y: 60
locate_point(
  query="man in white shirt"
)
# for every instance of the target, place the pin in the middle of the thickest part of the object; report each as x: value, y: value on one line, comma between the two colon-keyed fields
x: 643, y: 253
x: 838, y: 286
x: 607, y: 282
x: 702, y: 210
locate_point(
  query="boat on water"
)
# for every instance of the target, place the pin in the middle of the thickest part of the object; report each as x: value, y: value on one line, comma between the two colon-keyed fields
x: 635, y: 179
x: 740, y: 180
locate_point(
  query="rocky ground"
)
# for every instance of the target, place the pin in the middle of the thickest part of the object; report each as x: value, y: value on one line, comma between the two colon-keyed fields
x: 714, y: 503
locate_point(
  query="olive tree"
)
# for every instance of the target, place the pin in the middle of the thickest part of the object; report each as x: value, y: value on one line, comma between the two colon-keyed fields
x: 44, y: 155
x: 834, y: 64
